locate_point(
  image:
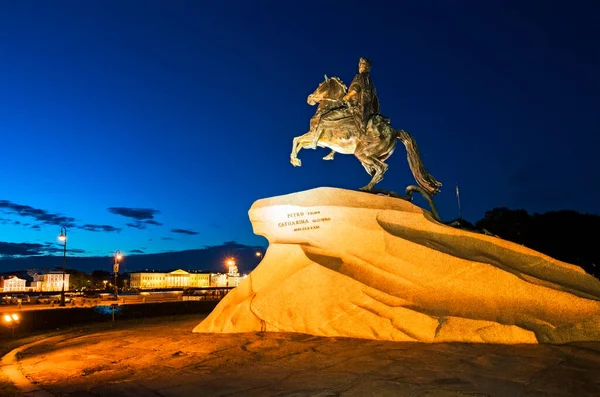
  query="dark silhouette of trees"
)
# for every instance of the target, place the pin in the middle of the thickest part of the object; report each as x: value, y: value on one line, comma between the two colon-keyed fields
x: 79, y: 280
x: 564, y: 235
x: 98, y: 278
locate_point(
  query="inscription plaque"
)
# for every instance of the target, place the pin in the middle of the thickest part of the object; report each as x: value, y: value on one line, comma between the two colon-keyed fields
x: 304, y: 220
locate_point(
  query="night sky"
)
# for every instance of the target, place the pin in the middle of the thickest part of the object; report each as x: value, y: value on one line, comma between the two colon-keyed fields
x: 151, y: 126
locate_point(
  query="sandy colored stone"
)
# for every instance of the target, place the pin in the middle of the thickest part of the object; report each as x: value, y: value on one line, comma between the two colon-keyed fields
x: 161, y: 357
x: 375, y: 267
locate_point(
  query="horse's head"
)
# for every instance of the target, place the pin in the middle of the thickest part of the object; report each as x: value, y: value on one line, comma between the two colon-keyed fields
x: 331, y: 88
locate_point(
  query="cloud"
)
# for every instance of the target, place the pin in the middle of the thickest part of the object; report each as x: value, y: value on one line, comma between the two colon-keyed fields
x: 141, y: 217
x: 167, y: 238
x: 100, y: 228
x: 139, y: 214
x: 184, y: 231
x: 36, y: 227
x: 142, y: 224
x: 51, y: 249
x: 33, y: 249
x: 20, y: 249
x: 137, y: 251
x: 39, y: 215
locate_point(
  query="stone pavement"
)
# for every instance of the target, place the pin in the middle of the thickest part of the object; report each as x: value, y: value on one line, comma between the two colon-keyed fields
x: 166, y: 359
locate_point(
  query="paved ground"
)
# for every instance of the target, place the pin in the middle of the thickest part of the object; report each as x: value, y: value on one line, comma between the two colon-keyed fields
x: 166, y: 359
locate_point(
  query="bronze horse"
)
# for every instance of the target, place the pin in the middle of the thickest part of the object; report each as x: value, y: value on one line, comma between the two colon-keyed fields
x: 339, y: 131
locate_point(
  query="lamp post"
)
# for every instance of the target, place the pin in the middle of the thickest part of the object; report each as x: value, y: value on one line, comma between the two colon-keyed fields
x: 63, y: 238
x: 259, y: 255
x: 118, y: 257
x: 12, y: 321
x: 231, y: 269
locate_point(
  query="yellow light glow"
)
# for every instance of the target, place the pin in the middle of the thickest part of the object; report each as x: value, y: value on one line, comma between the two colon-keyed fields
x: 258, y: 253
x: 62, y: 237
x: 230, y: 262
x: 15, y: 317
x: 7, y: 318
x: 119, y: 257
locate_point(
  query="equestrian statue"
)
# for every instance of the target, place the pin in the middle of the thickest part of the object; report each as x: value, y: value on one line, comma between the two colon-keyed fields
x: 348, y: 121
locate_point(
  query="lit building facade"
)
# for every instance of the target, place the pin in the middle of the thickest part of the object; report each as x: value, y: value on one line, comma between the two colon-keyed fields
x: 218, y: 280
x: 12, y: 284
x: 226, y: 279
x: 147, y: 280
x: 200, y: 279
x: 235, y: 280
x: 175, y: 279
x: 51, y: 281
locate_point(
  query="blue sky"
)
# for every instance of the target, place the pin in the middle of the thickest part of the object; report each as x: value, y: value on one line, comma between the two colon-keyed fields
x: 183, y: 112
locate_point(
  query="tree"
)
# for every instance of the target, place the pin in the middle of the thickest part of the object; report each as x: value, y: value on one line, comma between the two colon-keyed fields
x: 564, y: 235
x: 98, y: 278
x: 512, y: 225
x: 79, y: 280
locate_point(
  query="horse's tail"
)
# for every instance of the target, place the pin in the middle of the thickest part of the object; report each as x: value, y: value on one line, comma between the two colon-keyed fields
x: 423, y: 178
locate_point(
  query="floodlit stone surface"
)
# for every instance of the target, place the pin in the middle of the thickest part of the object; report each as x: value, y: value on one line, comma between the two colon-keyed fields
x: 353, y: 264
x: 163, y: 358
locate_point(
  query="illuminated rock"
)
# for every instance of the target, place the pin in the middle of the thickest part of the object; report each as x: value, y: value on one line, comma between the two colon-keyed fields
x: 352, y: 264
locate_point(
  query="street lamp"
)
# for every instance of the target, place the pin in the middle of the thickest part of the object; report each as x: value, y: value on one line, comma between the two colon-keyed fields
x: 118, y: 257
x: 63, y: 238
x: 231, y: 268
x: 259, y: 255
x: 12, y: 321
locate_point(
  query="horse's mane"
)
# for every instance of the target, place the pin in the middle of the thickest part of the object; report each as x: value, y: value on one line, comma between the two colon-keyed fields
x: 341, y: 82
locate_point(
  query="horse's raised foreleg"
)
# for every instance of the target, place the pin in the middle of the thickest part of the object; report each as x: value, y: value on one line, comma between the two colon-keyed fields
x: 299, y: 143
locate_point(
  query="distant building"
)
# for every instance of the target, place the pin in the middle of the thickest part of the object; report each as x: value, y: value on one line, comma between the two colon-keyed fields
x: 175, y: 279
x: 12, y: 284
x: 226, y: 279
x: 200, y: 279
x: 147, y: 280
x: 235, y: 280
x: 218, y: 280
x: 51, y: 281
x: 181, y: 279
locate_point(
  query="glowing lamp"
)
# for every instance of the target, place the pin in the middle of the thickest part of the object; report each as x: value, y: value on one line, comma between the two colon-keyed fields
x: 62, y: 237
x: 15, y: 317
x: 7, y: 318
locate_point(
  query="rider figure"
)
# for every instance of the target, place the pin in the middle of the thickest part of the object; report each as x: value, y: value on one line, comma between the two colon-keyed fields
x: 362, y: 101
x: 362, y: 96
